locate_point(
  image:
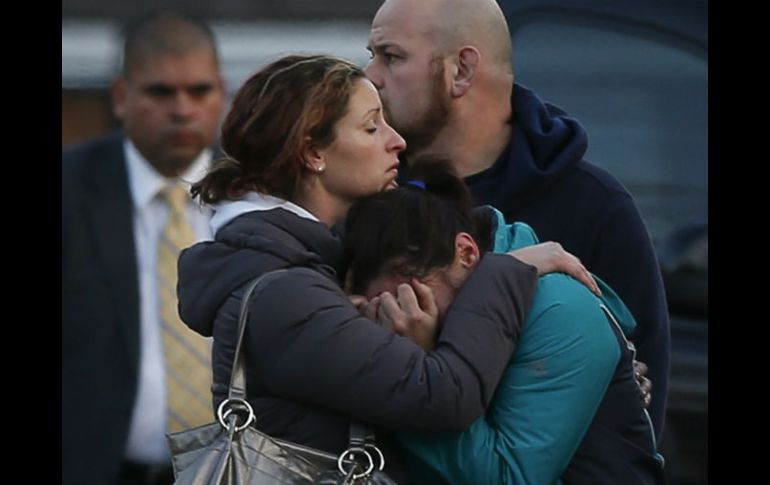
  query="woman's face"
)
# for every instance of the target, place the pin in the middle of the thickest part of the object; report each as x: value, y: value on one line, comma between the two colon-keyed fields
x: 363, y: 158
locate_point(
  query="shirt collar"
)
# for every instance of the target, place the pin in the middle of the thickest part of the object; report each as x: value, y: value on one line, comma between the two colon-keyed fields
x: 145, y: 182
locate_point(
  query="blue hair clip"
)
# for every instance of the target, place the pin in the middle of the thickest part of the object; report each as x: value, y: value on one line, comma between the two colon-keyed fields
x: 417, y: 183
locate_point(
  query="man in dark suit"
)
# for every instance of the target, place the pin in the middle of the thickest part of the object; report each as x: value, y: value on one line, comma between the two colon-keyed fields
x: 170, y: 97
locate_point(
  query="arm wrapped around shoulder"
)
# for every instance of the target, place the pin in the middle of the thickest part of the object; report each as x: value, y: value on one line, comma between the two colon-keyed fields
x: 486, y: 318
x: 316, y: 348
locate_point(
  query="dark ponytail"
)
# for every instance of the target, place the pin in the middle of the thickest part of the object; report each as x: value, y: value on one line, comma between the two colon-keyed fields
x: 220, y: 181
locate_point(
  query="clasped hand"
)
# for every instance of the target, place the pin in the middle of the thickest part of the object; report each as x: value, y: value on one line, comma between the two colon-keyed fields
x: 411, y: 312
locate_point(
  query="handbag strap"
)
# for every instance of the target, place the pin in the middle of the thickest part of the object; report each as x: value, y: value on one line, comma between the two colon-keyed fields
x: 360, y: 435
x: 238, y: 378
x: 236, y: 394
x: 361, y: 439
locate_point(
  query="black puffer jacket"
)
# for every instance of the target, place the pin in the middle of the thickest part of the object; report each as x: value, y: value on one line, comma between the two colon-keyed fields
x: 313, y: 361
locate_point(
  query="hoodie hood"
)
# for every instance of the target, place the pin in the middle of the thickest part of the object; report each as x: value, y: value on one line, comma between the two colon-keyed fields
x: 544, y: 142
x: 248, y: 246
x: 228, y: 210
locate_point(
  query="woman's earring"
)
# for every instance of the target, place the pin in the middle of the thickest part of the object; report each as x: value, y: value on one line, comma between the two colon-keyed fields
x: 321, y: 168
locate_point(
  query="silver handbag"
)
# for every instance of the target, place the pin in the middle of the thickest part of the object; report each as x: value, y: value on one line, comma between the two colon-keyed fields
x: 231, y: 451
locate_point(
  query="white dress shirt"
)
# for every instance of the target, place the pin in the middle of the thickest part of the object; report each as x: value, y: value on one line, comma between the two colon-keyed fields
x: 146, y: 440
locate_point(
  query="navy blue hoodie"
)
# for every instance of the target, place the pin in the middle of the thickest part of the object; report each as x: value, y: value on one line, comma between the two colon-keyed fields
x: 542, y: 179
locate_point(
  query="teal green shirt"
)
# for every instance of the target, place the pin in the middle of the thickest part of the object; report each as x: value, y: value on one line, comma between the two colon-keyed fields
x: 548, y: 395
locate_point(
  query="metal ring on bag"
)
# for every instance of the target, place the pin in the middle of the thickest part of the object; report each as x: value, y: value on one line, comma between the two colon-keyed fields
x: 352, y: 451
x: 379, y: 455
x: 223, y: 415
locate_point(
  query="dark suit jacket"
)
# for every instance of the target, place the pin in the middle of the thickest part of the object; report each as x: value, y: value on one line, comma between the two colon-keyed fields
x: 100, y: 311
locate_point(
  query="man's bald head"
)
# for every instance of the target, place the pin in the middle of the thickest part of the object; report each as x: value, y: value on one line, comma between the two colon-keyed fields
x: 451, y: 24
x: 480, y: 23
x: 165, y: 33
x: 442, y: 68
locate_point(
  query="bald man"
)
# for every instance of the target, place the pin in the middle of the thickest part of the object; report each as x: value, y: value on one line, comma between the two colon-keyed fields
x: 443, y: 69
x: 170, y: 98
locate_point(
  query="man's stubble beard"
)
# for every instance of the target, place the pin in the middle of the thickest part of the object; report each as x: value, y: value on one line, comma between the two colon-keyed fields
x: 423, y: 133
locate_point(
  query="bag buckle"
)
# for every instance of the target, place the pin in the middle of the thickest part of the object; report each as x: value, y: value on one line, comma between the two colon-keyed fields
x: 235, y: 405
x: 355, y: 451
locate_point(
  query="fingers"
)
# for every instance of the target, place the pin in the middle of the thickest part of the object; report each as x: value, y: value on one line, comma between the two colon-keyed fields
x: 389, y: 314
x: 645, y: 385
x: 425, y: 298
x: 402, y: 310
x: 585, y: 277
x: 370, y: 308
x: 399, y: 311
x: 403, y: 314
x: 571, y: 264
x: 407, y: 299
x: 411, y: 303
x: 647, y: 400
x: 357, y: 300
x: 550, y: 257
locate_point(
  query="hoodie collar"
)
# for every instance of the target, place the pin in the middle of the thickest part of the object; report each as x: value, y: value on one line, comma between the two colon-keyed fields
x: 544, y: 142
x: 228, y: 210
x: 146, y: 182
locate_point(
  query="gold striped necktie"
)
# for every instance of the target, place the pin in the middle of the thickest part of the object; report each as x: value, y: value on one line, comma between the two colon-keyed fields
x: 187, y: 354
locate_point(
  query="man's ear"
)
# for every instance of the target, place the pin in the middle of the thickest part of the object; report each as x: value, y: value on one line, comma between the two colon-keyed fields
x: 467, y: 62
x: 118, y: 92
x: 466, y: 251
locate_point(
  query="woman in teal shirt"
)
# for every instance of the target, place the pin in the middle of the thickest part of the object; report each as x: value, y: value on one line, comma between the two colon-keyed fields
x: 568, y: 408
